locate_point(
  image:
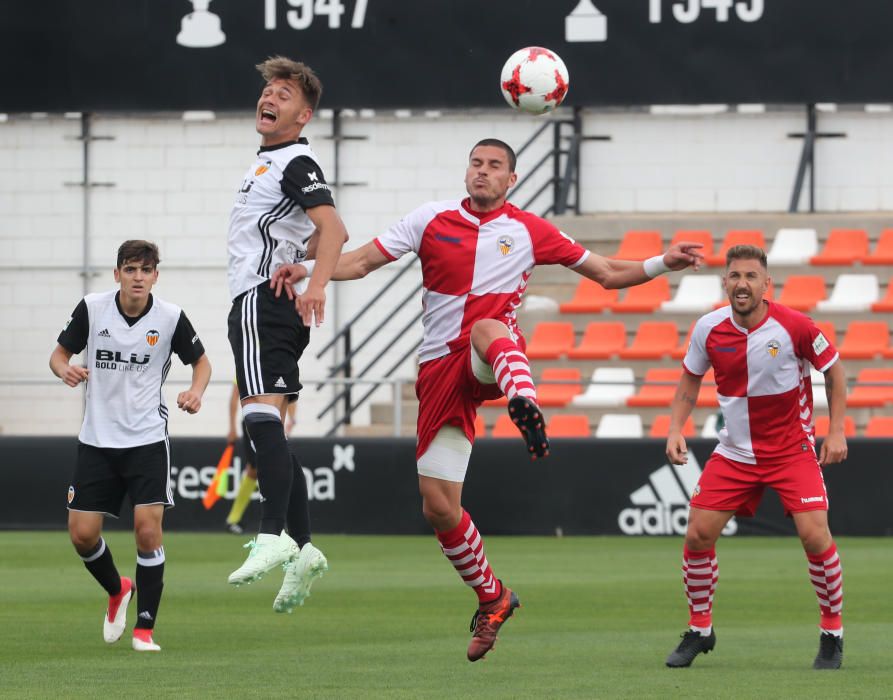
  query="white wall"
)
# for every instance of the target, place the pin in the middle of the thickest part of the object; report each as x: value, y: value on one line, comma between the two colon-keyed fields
x: 174, y: 183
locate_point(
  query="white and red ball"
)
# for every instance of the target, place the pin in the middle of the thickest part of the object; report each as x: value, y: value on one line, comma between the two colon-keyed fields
x: 534, y: 80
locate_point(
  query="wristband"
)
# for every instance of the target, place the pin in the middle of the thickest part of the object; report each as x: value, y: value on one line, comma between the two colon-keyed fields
x: 308, y: 265
x: 655, y: 266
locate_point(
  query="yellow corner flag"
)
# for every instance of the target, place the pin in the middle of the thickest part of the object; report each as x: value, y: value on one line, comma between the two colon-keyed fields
x: 212, y: 495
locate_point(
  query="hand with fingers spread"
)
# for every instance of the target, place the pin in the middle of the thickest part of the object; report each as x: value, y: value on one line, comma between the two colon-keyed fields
x: 312, y: 304
x: 285, y: 277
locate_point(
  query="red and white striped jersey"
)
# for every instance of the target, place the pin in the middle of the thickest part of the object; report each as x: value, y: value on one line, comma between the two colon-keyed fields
x: 762, y: 380
x: 474, y: 267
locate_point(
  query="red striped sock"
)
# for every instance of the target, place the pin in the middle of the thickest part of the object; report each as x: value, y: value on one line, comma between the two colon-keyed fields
x: 464, y: 548
x: 826, y: 574
x: 512, y: 369
x: 700, y: 573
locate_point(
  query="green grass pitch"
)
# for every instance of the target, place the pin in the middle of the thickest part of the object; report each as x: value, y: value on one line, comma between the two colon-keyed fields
x: 390, y: 619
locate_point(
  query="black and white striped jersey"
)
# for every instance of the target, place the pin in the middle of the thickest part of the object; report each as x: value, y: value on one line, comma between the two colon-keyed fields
x: 269, y: 226
x: 128, y: 359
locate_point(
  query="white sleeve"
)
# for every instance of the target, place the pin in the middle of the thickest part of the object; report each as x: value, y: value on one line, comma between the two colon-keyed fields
x: 406, y: 235
x: 696, y: 360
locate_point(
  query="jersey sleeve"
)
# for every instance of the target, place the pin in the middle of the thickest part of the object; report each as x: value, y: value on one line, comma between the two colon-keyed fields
x: 304, y: 182
x: 814, y: 346
x: 186, y: 342
x: 552, y: 246
x: 405, y: 236
x: 77, y: 330
x: 696, y: 360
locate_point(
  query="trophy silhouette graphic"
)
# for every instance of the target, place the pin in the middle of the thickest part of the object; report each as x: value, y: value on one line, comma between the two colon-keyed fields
x: 200, y: 29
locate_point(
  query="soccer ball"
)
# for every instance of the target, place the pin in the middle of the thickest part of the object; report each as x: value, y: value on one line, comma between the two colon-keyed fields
x: 534, y: 80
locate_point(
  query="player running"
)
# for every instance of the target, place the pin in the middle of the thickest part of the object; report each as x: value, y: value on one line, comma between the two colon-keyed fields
x: 123, y: 447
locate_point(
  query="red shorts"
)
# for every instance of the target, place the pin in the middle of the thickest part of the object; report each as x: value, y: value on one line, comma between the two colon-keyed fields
x: 729, y: 485
x: 449, y: 394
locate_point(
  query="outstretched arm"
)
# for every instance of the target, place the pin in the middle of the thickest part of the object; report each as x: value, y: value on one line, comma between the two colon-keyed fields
x: 834, y: 448
x: 681, y: 408
x: 351, y: 266
x: 617, y: 274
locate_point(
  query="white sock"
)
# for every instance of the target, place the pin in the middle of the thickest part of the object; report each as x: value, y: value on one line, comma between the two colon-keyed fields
x: 704, y: 631
x: 836, y: 633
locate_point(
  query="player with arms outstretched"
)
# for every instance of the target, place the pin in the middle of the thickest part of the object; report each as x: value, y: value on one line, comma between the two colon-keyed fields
x: 477, y: 255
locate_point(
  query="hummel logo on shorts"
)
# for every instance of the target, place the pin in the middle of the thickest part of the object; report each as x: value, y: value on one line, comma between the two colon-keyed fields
x: 104, y: 333
x: 280, y: 383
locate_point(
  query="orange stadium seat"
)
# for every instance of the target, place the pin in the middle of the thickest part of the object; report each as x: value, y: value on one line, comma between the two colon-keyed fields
x: 601, y: 340
x: 680, y: 350
x: 879, y: 426
x: 707, y: 396
x: 827, y: 329
x: 874, y: 387
x: 883, y: 250
x: 705, y: 238
x: 660, y: 428
x: 843, y: 247
x: 639, y: 245
x: 654, y: 339
x: 885, y: 304
x: 658, y: 388
x: 644, y: 298
x: 550, y: 340
x: 822, y: 423
x: 865, y: 340
x: 480, y: 428
x: 569, y: 425
x: 504, y: 428
x: 803, y: 292
x: 589, y: 298
x: 550, y: 394
x: 733, y: 238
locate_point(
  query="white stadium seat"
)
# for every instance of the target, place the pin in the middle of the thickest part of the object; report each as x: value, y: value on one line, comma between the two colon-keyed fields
x: 610, y: 386
x: 793, y: 246
x: 695, y: 293
x: 851, y: 293
x: 709, y: 429
x: 620, y: 425
x: 819, y: 399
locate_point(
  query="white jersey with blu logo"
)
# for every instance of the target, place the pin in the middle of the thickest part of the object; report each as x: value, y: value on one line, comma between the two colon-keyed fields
x: 128, y: 359
x: 268, y: 225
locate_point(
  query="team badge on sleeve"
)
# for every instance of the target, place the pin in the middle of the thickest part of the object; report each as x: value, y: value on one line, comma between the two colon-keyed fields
x: 152, y: 337
x: 819, y: 345
x: 505, y: 243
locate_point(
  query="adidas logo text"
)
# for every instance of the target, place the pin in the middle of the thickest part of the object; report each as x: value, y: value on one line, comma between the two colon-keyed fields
x: 660, y: 507
x: 104, y: 333
x: 280, y: 383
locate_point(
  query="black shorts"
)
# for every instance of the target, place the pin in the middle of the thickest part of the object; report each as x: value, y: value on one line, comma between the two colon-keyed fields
x: 104, y: 474
x: 268, y: 338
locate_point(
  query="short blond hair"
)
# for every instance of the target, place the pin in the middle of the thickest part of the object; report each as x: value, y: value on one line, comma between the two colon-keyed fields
x: 282, y: 68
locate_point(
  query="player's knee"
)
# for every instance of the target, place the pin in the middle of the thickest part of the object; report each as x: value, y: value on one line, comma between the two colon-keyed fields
x: 699, y: 538
x: 816, y: 540
x: 83, y: 537
x: 263, y: 422
x: 147, y: 536
x: 486, y: 330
